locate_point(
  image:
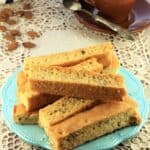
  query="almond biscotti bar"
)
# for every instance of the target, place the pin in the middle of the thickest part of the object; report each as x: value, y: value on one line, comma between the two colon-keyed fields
x: 81, y: 84
x: 93, y: 123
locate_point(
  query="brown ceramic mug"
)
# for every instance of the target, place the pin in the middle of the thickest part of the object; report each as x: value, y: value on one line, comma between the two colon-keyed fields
x: 115, y: 10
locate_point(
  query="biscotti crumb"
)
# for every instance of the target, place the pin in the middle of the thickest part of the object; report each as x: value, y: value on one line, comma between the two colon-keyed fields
x: 32, y: 34
x: 15, y: 32
x: 28, y: 45
x: 26, y: 6
x: 12, y: 46
x: 3, y: 28
x: 11, y: 22
x: 9, y: 37
x: 28, y: 14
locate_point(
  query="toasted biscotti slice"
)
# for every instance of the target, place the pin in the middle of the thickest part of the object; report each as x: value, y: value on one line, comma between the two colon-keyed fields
x: 93, y: 123
x: 82, y: 84
x: 102, y: 52
x: 22, y: 116
x: 62, y: 109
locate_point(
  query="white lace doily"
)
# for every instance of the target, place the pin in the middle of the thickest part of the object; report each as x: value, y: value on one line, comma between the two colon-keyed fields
x: 52, y: 16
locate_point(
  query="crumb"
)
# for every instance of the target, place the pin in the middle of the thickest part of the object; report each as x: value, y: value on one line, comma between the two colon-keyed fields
x: 19, y: 13
x: 3, y: 28
x: 28, y: 14
x: 12, y: 46
x: 15, y: 32
x: 11, y: 22
x: 9, y: 37
x: 28, y: 45
x: 26, y: 6
x: 32, y: 34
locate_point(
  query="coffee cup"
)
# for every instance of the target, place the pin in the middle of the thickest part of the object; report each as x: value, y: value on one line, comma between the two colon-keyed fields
x: 115, y: 10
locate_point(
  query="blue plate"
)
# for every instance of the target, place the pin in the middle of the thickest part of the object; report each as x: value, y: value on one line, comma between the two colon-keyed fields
x: 35, y: 135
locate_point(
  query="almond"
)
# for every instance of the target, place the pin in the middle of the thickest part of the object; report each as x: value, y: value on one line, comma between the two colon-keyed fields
x: 11, y: 22
x: 9, y: 37
x: 15, y: 32
x: 32, y: 34
x: 3, y: 28
x: 12, y: 46
x: 8, y: 11
x: 26, y: 6
x: 28, y: 14
x: 28, y: 45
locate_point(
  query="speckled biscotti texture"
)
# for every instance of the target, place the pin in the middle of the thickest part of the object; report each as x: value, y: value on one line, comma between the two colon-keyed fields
x: 62, y: 109
x: 81, y: 84
x: 93, y: 123
x: 22, y: 116
x: 102, y: 52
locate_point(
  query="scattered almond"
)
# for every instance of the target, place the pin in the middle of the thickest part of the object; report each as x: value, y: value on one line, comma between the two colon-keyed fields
x: 15, y: 32
x: 28, y: 45
x: 3, y: 17
x: 26, y: 6
x: 32, y: 34
x: 19, y: 13
x: 11, y: 22
x: 8, y: 11
x: 3, y: 28
x: 28, y: 14
x: 12, y: 46
x: 9, y: 37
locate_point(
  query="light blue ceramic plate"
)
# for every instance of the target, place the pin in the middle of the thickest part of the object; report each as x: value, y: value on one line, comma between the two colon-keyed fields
x: 36, y: 136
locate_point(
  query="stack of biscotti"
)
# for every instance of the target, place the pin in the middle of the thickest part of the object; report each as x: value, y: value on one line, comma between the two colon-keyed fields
x: 75, y: 96
x: 89, y: 59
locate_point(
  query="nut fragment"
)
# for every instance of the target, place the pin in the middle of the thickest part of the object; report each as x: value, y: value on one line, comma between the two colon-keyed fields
x: 15, y: 32
x: 9, y: 37
x: 3, y: 28
x: 12, y: 46
x: 28, y: 14
x: 26, y: 6
x: 19, y: 13
x: 11, y: 22
x: 3, y: 17
x: 28, y: 45
x: 32, y: 34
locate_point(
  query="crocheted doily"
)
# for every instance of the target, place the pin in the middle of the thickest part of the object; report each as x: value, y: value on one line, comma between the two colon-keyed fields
x: 52, y: 16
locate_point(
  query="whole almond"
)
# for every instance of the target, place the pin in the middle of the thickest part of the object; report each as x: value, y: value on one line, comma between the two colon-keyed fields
x: 8, y: 11
x: 11, y: 22
x: 28, y: 45
x: 3, y: 28
x: 9, y: 37
x: 15, y: 32
x: 28, y: 14
x: 32, y: 34
x: 12, y: 46
x: 26, y: 6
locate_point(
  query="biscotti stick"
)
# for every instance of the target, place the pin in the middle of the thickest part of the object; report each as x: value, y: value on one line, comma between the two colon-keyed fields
x: 93, y: 123
x: 81, y: 84
x: 102, y: 52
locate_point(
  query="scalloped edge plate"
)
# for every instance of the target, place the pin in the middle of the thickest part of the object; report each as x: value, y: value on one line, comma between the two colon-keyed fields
x: 34, y: 135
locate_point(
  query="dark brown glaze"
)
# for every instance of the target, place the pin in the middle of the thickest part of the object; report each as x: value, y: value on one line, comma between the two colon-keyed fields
x: 138, y: 18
